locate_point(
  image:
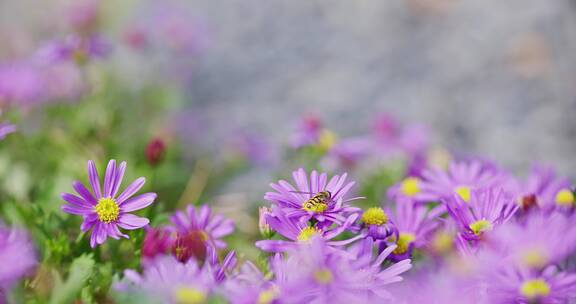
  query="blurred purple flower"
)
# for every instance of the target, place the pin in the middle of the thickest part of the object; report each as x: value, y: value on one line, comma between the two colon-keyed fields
x: 102, y: 210
x: 315, y: 273
x: 544, y: 188
x: 20, y: 83
x: 307, y: 132
x: 76, y: 49
x: 510, y: 285
x: 537, y: 242
x: 197, y: 229
x: 378, y: 223
x: 298, y: 203
x: 167, y: 280
x: 17, y: 254
x: 461, y: 178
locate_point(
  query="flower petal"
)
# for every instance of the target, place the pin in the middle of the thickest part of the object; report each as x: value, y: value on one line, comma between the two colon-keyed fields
x: 110, y: 178
x: 73, y: 209
x: 118, y: 180
x: 138, y: 202
x: 131, y: 221
x: 74, y: 200
x: 85, y: 193
x: 131, y: 190
x: 94, y: 179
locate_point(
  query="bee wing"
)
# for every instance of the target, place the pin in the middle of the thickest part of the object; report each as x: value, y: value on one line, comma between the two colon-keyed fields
x: 301, y: 192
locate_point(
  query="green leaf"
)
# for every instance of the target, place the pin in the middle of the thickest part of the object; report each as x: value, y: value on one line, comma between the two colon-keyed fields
x: 80, y: 271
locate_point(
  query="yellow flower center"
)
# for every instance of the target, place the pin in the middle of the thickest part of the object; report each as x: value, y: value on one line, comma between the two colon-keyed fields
x: 404, y: 242
x: 107, y: 210
x: 307, y: 233
x: 375, y: 216
x: 323, y: 276
x: 443, y: 242
x: 190, y: 295
x: 464, y: 192
x: 479, y: 226
x: 534, y: 258
x: 315, y: 207
x: 268, y: 295
x: 532, y: 289
x: 565, y: 197
x: 327, y: 139
x: 410, y: 186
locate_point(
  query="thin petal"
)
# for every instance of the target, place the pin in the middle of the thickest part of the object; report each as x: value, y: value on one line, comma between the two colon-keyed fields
x: 110, y: 178
x: 138, y: 202
x: 131, y: 190
x: 94, y: 179
x: 73, y: 209
x: 74, y: 200
x: 131, y: 221
x: 84, y: 193
x: 118, y: 180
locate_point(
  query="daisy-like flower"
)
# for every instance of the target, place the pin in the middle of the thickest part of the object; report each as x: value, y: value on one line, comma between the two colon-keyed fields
x: 104, y: 211
x: 510, y: 285
x: 75, y: 48
x: 378, y: 223
x: 250, y: 285
x: 544, y: 188
x: 414, y: 223
x: 461, y: 178
x: 308, y: 132
x: 196, y: 229
x: 299, y: 232
x: 167, y: 280
x: 17, y: 254
x: 486, y: 209
x: 538, y: 241
x: 315, y: 198
x: 413, y: 188
x: 315, y: 273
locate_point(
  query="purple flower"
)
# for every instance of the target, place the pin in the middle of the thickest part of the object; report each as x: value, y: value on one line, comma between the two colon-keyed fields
x: 296, y: 201
x: 196, y: 229
x: 545, y: 189
x: 315, y: 273
x: 349, y: 152
x: 538, y: 241
x: 167, y: 280
x: 308, y: 132
x: 510, y: 285
x: 378, y: 223
x: 486, y: 208
x: 413, y: 188
x: 17, y: 254
x: 414, y: 223
x: 6, y: 128
x: 250, y: 286
x: 20, y: 83
x: 299, y: 232
x: 102, y: 209
x: 461, y: 178
x: 75, y: 48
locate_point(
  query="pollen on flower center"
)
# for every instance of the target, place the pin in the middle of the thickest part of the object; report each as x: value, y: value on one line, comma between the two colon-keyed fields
x: 323, y: 276
x: 534, y: 258
x: 189, y: 295
x: 307, y: 233
x: 107, y: 210
x: 565, y: 197
x: 375, y: 216
x: 480, y: 226
x: 404, y: 242
x: 268, y: 295
x: 410, y: 186
x: 464, y: 192
x: 535, y: 288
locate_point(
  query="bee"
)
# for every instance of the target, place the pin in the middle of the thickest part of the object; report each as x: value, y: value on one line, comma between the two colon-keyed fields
x: 319, y: 202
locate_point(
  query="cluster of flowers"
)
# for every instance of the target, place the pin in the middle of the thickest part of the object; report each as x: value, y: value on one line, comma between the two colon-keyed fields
x: 474, y: 232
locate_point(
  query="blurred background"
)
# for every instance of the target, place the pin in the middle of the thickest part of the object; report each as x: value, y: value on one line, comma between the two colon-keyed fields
x: 492, y: 78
